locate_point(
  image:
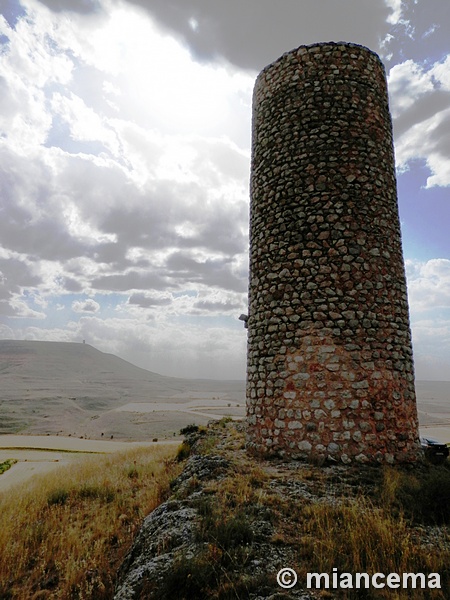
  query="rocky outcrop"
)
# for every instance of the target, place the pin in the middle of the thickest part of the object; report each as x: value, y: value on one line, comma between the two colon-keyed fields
x: 231, y: 523
x: 170, y: 549
x: 167, y: 531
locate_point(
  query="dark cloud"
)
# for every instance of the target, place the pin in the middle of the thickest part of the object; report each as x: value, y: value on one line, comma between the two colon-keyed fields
x: 148, y: 300
x: 422, y: 109
x: 15, y: 275
x: 212, y: 272
x: 148, y: 226
x: 253, y: 33
x: 6, y: 310
x: 78, y: 6
x: 181, y: 216
x: 42, y: 239
x: 113, y: 254
x: 133, y: 280
x: 31, y: 219
x: 69, y: 284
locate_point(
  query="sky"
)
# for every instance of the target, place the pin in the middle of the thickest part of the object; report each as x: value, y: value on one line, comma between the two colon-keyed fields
x: 125, y: 132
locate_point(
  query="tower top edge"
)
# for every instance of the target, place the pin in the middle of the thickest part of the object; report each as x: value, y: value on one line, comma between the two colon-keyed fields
x: 308, y: 48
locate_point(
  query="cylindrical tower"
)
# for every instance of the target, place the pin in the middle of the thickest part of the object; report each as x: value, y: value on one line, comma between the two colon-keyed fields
x: 330, y: 369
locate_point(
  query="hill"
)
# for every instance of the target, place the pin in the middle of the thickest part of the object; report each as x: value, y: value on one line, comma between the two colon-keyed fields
x: 74, y: 389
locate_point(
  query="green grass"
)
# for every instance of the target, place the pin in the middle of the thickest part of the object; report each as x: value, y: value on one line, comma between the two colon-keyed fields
x: 7, y: 464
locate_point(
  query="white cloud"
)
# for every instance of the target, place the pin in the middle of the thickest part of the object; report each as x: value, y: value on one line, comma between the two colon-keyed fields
x: 429, y: 303
x: 441, y: 73
x: 396, y: 7
x: 175, y: 349
x: 431, y: 343
x: 85, y: 306
x: 428, y: 284
x: 428, y: 140
x: 407, y: 81
x: 29, y: 65
x: 420, y: 104
x: 84, y: 123
x: 107, y: 209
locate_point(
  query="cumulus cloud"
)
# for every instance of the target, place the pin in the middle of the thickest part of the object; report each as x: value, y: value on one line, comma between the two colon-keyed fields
x: 420, y: 103
x: 396, y: 7
x: 428, y: 141
x: 144, y: 300
x: 95, y: 193
x: 429, y: 284
x: 85, y: 306
x: 219, y: 302
x: 407, y: 82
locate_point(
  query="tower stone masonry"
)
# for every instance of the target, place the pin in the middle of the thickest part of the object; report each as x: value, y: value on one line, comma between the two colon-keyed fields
x: 330, y: 369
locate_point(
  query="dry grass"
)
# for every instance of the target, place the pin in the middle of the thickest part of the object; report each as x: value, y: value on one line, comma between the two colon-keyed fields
x: 358, y: 537
x: 63, y: 535
x: 381, y: 520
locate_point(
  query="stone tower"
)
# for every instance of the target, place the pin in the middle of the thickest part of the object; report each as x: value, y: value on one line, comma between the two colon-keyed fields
x: 330, y: 368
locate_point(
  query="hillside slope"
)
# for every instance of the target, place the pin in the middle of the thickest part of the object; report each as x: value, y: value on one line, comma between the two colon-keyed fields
x: 74, y: 389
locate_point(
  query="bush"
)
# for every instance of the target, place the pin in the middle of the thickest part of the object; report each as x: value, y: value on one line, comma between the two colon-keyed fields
x: 424, y: 497
x: 133, y: 473
x: 203, y: 577
x: 7, y: 464
x: 187, y: 579
x: 192, y: 428
x: 58, y: 496
x: 183, y: 451
x: 96, y: 492
x: 230, y: 533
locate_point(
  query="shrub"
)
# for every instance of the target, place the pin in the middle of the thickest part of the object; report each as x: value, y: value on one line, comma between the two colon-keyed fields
x: 187, y: 579
x: 133, y: 473
x: 183, y: 451
x: 227, y: 533
x: 422, y: 496
x: 192, y: 428
x: 203, y: 577
x: 96, y: 492
x: 7, y: 464
x: 58, y: 496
